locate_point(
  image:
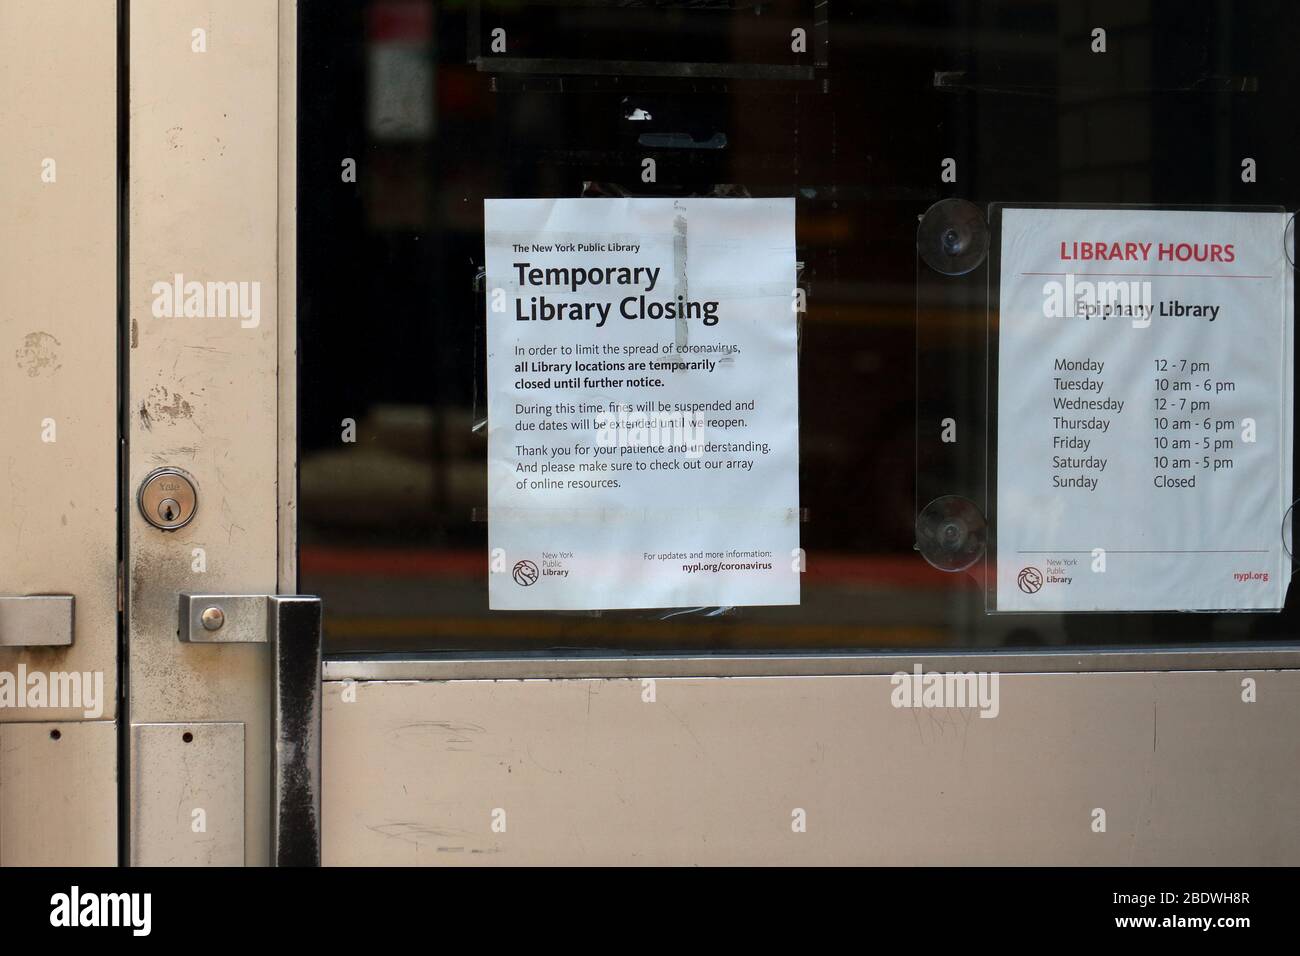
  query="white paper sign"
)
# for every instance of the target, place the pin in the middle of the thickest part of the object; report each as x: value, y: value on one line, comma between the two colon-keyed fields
x: 1144, y: 410
x: 643, y: 436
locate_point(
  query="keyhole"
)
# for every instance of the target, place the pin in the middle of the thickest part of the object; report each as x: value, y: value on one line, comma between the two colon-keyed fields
x: 167, y: 498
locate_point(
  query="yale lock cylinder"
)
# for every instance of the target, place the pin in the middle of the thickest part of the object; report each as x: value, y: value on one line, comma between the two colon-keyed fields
x: 168, y: 499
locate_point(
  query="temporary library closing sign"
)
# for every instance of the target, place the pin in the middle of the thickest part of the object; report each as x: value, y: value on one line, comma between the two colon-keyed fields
x: 1145, y: 383
x: 643, y: 431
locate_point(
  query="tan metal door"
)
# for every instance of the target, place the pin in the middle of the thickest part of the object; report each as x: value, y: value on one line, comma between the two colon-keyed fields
x: 148, y: 388
x: 214, y: 751
x: 59, y: 681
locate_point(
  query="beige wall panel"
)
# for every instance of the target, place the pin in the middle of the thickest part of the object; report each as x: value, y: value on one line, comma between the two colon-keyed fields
x: 711, y: 772
x: 203, y: 394
x: 58, y: 329
x: 178, y: 771
x: 58, y: 797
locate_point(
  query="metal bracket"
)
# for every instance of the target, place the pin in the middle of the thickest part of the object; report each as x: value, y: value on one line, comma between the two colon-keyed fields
x: 291, y: 625
x: 40, y: 620
x: 225, y: 618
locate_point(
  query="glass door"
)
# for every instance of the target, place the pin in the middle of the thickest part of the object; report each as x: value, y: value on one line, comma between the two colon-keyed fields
x: 463, y: 168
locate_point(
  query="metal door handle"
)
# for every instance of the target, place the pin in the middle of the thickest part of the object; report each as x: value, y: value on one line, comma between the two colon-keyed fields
x: 38, y: 620
x: 291, y: 625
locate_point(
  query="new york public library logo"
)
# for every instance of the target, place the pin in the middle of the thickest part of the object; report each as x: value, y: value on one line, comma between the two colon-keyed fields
x: 74, y: 690
x: 179, y: 299
x: 940, y: 690
x: 75, y: 908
